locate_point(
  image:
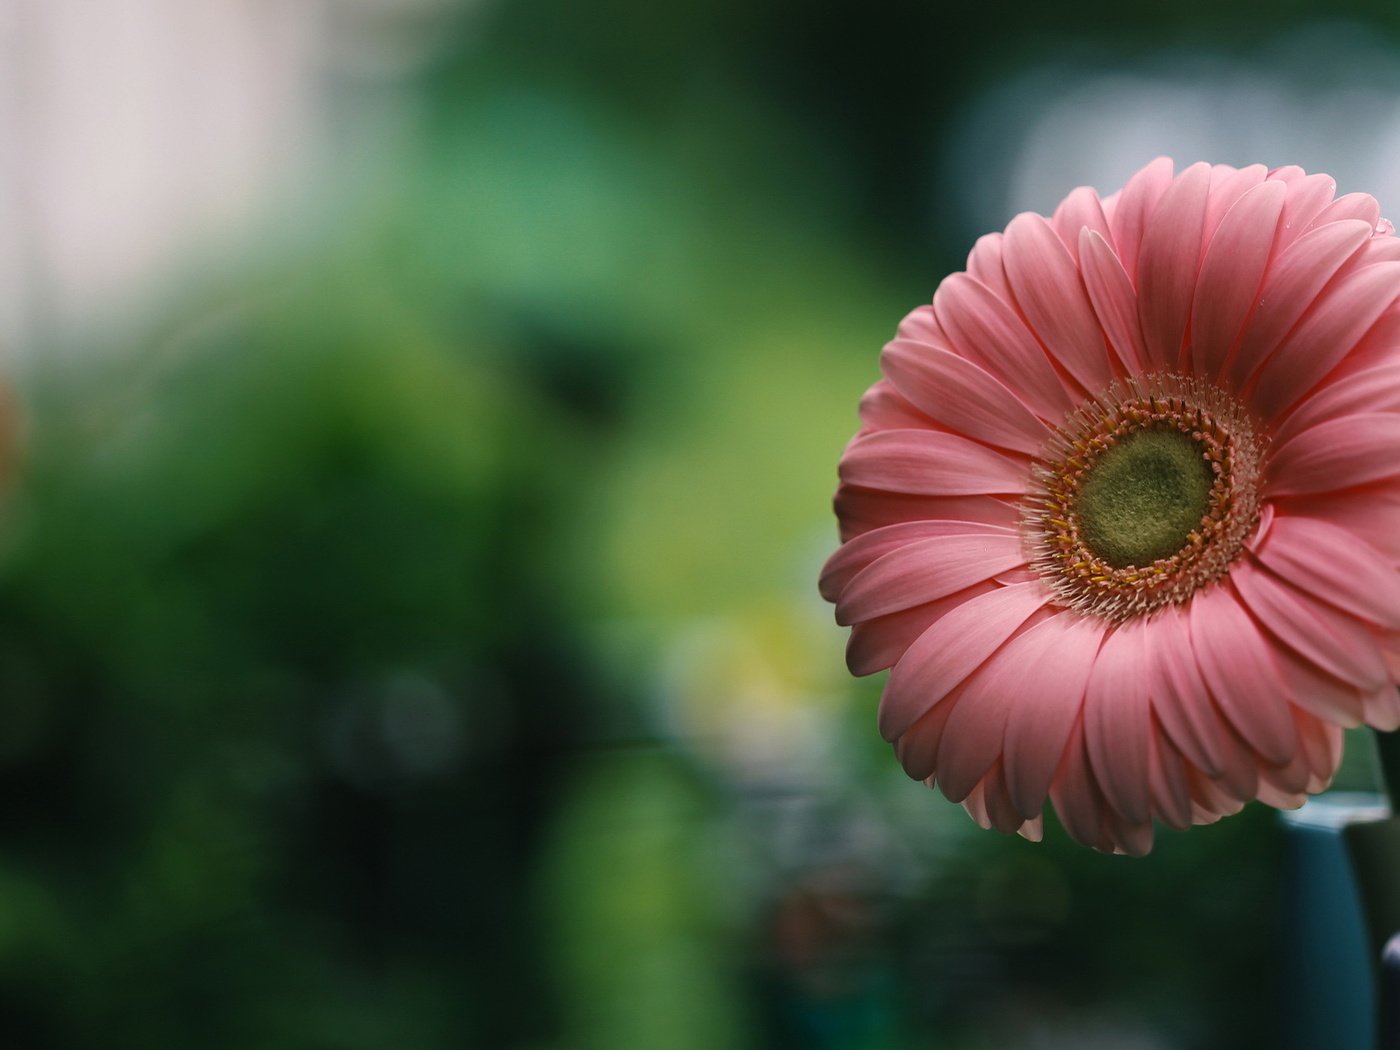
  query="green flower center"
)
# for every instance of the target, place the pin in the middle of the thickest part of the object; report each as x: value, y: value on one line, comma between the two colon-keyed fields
x: 1144, y: 497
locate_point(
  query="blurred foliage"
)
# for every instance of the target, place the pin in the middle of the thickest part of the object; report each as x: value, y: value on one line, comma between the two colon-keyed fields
x: 282, y: 663
x: 410, y: 639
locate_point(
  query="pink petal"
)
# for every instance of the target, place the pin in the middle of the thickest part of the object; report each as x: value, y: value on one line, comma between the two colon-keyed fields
x: 1114, y: 301
x: 855, y: 555
x: 1037, y: 737
x: 882, y: 407
x: 951, y: 649
x: 1370, y: 390
x: 1350, y: 206
x: 924, y: 570
x: 1292, y: 777
x: 1170, y: 789
x: 1334, y: 326
x: 1366, y: 513
x: 1261, y: 528
x: 1050, y: 292
x: 1295, y: 279
x: 994, y: 802
x: 1336, y: 454
x: 1129, y: 838
x: 1169, y: 262
x: 917, y: 747
x: 1319, y: 693
x: 1335, y: 566
x: 1339, y: 644
x: 984, y: 262
x: 931, y: 463
x: 878, y: 644
x: 1118, y: 721
x: 1307, y: 196
x: 1231, y: 273
x: 1076, y: 795
x: 1180, y: 699
x: 1287, y: 173
x: 985, y: 330
x: 860, y: 510
x: 1323, y: 746
x: 1227, y: 186
x: 1134, y: 208
x: 1380, y: 248
x: 963, y: 397
x: 1239, y: 774
x: 1209, y: 800
x: 1377, y: 347
x: 1271, y: 793
x: 1080, y: 210
x: 1033, y: 830
x: 1023, y: 574
x: 1335, y: 741
x: 921, y: 325
x: 1014, y: 677
x: 976, y: 806
x: 1237, y: 662
x: 1285, y: 785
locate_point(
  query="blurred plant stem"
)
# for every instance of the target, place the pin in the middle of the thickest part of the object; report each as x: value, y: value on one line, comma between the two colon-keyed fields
x: 1388, y: 750
x: 1374, y: 846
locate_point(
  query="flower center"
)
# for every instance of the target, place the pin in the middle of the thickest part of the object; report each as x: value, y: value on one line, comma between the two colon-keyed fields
x: 1144, y: 495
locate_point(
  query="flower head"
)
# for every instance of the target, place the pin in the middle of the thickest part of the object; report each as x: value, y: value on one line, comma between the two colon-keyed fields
x: 1123, y: 515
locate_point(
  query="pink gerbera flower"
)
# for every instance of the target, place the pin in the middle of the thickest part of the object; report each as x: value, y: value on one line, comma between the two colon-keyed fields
x: 1123, y: 515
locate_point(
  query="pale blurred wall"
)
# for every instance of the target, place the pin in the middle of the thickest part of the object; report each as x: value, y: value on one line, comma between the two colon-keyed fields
x: 136, y: 132
x: 1324, y: 95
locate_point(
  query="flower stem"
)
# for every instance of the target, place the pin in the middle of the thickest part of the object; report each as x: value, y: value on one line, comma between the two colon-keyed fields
x: 1388, y: 748
x: 1375, y: 852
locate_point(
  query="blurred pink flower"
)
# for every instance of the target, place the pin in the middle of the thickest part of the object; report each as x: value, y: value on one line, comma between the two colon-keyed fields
x: 1123, y: 515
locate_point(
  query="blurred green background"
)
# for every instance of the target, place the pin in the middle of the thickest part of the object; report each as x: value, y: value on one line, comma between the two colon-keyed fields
x: 408, y: 624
